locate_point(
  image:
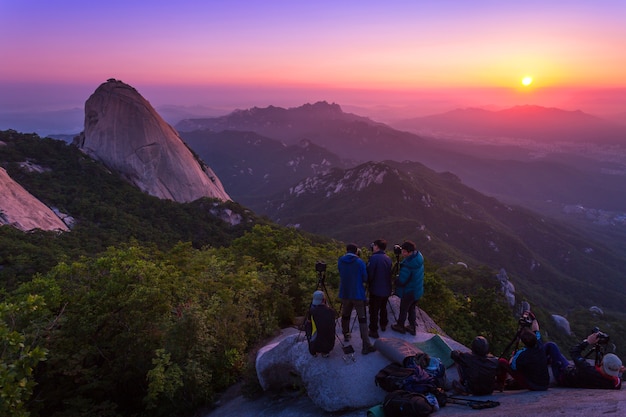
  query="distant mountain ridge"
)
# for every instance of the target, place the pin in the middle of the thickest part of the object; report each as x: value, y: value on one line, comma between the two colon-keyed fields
x: 525, y: 122
x: 540, y: 176
x: 349, y: 136
x: 451, y: 222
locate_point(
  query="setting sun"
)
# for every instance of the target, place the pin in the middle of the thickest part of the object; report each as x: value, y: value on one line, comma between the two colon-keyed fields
x: 527, y: 80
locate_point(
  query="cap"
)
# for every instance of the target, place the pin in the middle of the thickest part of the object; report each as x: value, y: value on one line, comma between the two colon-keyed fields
x: 611, y: 364
x: 318, y: 298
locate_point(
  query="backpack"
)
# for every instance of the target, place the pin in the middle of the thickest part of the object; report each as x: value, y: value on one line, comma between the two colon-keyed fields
x: 397, y: 377
x: 401, y: 403
x: 437, y: 370
x: 392, y: 377
x: 430, y: 364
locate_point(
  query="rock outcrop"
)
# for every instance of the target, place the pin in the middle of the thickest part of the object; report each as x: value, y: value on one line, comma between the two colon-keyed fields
x: 336, y: 383
x: 22, y: 210
x: 123, y: 131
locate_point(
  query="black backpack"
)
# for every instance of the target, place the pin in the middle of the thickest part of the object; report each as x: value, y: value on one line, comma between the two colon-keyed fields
x: 392, y: 377
x: 397, y: 377
x: 401, y: 403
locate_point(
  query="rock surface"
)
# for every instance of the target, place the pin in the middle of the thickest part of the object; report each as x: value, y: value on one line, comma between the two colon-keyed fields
x: 299, y: 385
x: 566, y: 402
x: 336, y: 383
x: 125, y: 132
x: 22, y: 210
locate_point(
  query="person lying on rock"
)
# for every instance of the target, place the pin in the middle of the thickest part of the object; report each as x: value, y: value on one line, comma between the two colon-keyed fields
x: 320, y: 326
x: 477, y: 369
x: 606, y: 374
x: 528, y: 366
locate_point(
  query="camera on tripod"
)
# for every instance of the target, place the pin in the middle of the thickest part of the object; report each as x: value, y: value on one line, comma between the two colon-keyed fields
x: 397, y: 250
x: 603, y: 338
x: 526, y: 320
x: 320, y: 266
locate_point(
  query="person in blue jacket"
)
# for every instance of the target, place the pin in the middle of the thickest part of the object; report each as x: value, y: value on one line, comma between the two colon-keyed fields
x: 353, y: 277
x: 409, y: 286
x: 379, y: 285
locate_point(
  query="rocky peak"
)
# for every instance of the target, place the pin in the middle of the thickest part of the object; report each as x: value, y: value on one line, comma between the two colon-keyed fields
x: 22, y: 210
x: 123, y: 131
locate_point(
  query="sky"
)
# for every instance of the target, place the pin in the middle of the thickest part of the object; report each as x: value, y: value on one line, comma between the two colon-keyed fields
x: 244, y: 53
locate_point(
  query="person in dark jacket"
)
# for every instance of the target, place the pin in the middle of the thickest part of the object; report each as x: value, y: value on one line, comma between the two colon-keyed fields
x: 529, y: 365
x: 379, y: 284
x: 409, y: 287
x: 320, y: 326
x: 581, y: 373
x: 352, y: 280
x: 477, y: 369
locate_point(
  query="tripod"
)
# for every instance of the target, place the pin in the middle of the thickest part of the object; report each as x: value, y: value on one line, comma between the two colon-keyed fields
x: 514, y: 340
x: 395, y: 270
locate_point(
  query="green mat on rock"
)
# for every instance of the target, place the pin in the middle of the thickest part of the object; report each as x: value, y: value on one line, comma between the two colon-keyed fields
x: 437, y: 347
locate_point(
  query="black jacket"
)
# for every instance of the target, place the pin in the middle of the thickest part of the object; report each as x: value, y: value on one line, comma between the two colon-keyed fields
x: 478, y: 373
x: 320, y: 329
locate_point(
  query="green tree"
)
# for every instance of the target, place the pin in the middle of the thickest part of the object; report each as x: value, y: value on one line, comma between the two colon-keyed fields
x: 19, y: 355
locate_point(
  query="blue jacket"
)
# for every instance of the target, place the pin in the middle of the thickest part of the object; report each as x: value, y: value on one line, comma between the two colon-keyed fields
x: 353, y: 276
x: 411, y: 276
x: 379, y: 274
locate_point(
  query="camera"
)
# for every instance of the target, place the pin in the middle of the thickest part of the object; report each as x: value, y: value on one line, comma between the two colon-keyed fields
x: 397, y: 249
x: 526, y: 320
x: 320, y: 266
x: 603, y: 338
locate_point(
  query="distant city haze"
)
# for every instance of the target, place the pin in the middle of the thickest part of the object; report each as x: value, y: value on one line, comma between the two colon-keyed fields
x: 388, y: 60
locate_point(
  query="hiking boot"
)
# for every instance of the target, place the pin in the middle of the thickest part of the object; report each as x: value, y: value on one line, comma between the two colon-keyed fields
x: 346, y: 337
x: 410, y: 329
x: 368, y: 349
x: 383, y: 327
x: 398, y: 328
x: 373, y: 334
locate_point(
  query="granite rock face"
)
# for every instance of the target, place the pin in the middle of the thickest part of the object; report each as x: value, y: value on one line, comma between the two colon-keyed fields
x: 337, y: 383
x: 123, y: 131
x: 22, y: 210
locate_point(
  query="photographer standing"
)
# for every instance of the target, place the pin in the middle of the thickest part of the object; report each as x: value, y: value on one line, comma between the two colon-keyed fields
x: 353, y: 276
x: 409, y: 286
x: 379, y: 283
x: 581, y: 373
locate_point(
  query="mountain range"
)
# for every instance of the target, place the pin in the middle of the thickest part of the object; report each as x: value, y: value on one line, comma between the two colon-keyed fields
x: 533, y: 123
x: 348, y: 177
x: 380, y: 183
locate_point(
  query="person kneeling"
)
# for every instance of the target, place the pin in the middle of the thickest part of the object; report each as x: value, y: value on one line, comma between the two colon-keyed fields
x: 320, y: 326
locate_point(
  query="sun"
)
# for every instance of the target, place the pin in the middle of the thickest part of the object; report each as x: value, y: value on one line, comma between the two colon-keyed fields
x: 527, y: 80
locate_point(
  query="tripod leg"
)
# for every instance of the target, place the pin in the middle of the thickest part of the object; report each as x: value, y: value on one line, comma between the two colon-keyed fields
x: 393, y: 313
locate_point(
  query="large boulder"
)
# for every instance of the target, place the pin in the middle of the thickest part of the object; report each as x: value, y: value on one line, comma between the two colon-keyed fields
x: 22, y: 210
x: 339, y: 382
x: 125, y: 132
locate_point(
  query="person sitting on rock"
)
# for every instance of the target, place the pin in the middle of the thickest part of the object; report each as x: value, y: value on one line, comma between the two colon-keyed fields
x: 477, y: 369
x: 320, y: 326
x: 581, y: 373
x: 529, y: 365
